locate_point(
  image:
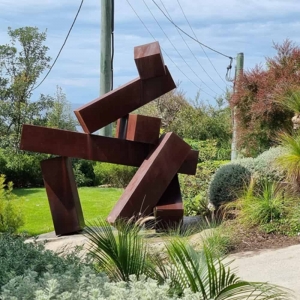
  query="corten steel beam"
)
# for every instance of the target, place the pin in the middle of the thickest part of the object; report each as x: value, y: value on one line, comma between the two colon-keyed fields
x: 63, y: 196
x: 169, y: 209
x: 122, y: 101
x: 149, y: 60
x: 92, y: 147
x: 141, y: 129
x: 81, y: 145
x: 152, y: 179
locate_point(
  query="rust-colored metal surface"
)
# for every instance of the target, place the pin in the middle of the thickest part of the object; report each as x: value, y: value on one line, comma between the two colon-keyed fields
x: 155, y: 187
x: 122, y: 101
x: 152, y: 179
x: 189, y: 165
x: 141, y: 129
x: 85, y: 146
x: 62, y: 194
x: 149, y: 60
x: 169, y: 209
x: 81, y: 145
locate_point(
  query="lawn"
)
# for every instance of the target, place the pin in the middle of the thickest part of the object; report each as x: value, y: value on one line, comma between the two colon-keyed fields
x: 95, y: 202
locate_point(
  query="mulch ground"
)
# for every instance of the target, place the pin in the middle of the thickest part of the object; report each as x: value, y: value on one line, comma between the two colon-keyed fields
x: 253, y: 240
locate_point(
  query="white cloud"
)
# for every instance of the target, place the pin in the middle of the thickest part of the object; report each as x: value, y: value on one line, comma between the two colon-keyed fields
x: 230, y: 27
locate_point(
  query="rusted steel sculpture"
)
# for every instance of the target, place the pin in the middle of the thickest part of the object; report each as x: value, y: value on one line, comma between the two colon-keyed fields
x: 154, y: 189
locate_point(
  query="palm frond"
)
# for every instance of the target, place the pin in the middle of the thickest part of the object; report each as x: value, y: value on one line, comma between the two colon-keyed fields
x: 120, y: 253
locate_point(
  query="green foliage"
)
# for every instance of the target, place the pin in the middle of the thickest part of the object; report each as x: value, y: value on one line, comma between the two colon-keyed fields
x: 184, y: 268
x: 112, y: 174
x: 123, y: 254
x: 208, y: 150
x: 84, y: 172
x: 264, y: 166
x: 263, y: 205
x: 21, y: 63
x: 218, y: 239
x: 22, y: 168
x: 289, y: 160
x: 61, y: 115
x: 227, y: 182
x: 196, y: 206
x: 292, y: 101
x: 17, y: 257
x: 29, y: 272
x: 89, y: 286
x: 11, y: 216
x: 191, y: 186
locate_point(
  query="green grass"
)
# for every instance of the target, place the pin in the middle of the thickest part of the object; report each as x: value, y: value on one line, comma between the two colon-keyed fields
x: 95, y: 202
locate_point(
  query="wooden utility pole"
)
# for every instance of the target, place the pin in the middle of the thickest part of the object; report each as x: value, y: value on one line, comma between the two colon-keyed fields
x: 238, y: 73
x: 106, y: 54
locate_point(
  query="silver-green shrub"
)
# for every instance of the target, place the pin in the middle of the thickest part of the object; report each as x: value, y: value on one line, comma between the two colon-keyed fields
x: 90, y: 286
x: 226, y: 183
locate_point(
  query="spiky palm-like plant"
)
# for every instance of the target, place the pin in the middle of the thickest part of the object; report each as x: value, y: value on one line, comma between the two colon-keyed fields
x: 211, y: 277
x: 123, y: 253
x: 290, y: 159
x: 292, y: 101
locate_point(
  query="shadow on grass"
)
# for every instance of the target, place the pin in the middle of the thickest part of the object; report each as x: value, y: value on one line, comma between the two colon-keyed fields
x: 25, y: 192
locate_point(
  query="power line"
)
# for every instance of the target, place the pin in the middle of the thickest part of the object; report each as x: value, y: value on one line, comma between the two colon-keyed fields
x: 197, y: 39
x: 173, y: 44
x: 164, y: 50
x: 193, y: 54
x: 60, y: 48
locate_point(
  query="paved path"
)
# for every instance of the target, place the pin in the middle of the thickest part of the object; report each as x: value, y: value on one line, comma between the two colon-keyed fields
x: 281, y: 266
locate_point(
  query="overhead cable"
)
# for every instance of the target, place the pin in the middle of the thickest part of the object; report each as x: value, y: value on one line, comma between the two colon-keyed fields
x: 199, y: 44
x: 164, y: 50
x: 61, y: 47
x: 196, y: 40
x: 193, y: 55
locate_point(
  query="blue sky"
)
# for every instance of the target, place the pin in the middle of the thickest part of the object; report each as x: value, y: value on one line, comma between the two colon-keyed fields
x: 230, y: 27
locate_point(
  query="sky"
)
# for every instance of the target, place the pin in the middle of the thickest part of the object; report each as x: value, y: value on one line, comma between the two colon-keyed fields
x: 230, y: 27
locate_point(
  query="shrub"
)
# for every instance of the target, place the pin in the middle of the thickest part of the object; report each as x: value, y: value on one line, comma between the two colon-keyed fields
x: 264, y: 166
x: 115, y: 175
x: 208, y: 150
x: 11, y: 217
x: 84, y: 172
x: 16, y: 257
x: 23, y: 168
x: 263, y: 205
x: 260, y: 168
x: 89, y: 286
x: 196, y: 206
x: 191, y: 186
x: 227, y: 182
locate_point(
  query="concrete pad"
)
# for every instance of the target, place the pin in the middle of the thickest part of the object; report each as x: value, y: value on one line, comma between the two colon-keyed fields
x: 280, y: 266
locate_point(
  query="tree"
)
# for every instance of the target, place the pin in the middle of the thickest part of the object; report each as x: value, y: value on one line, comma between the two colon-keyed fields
x: 166, y: 107
x: 61, y: 116
x: 21, y: 64
x: 263, y: 90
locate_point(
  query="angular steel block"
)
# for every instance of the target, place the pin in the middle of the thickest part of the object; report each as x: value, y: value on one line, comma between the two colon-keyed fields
x: 169, y: 210
x: 141, y: 129
x: 149, y: 61
x: 92, y: 147
x: 63, y: 196
x: 152, y: 179
x: 122, y: 101
x: 81, y: 145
